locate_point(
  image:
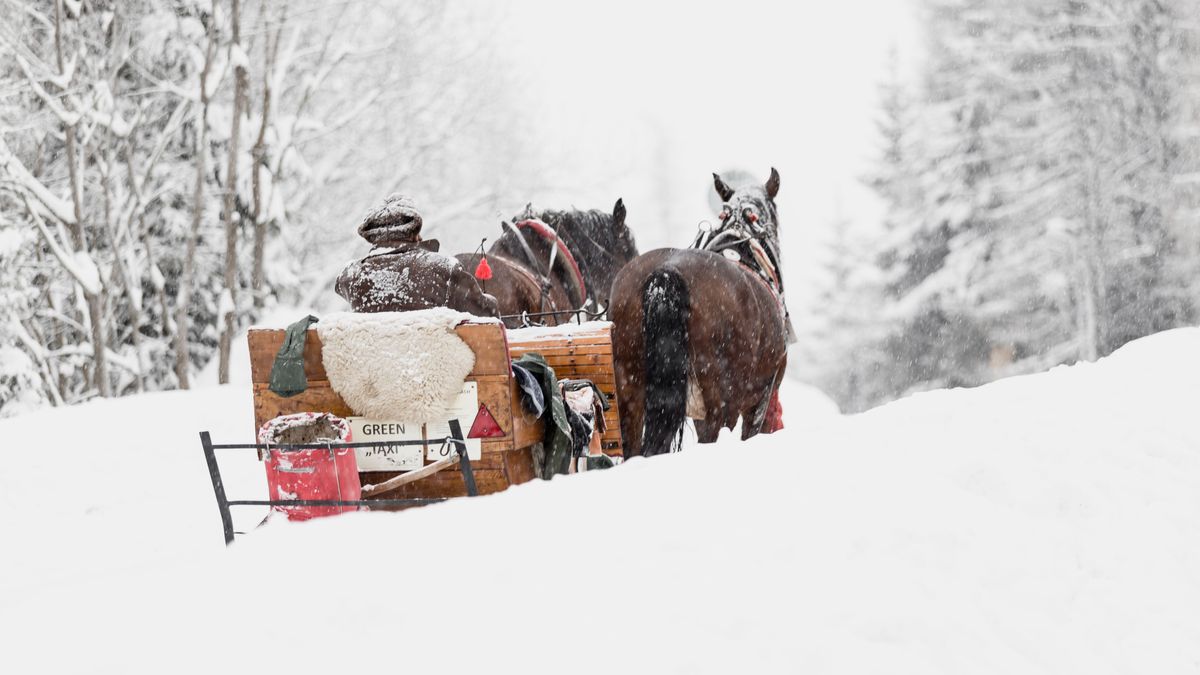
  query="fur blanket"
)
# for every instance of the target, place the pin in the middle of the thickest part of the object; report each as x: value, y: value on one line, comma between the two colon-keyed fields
x: 403, y: 366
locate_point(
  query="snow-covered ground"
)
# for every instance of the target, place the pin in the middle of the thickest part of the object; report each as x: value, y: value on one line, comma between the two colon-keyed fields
x: 1043, y: 524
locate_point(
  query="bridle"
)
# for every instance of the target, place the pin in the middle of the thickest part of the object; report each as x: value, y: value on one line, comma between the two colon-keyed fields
x: 746, y: 230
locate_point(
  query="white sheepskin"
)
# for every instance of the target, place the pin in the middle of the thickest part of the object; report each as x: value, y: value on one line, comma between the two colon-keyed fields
x: 403, y: 366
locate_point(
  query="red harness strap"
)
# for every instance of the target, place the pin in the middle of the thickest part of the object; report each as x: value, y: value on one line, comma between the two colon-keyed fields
x: 543, y: 230
x: 773, y: 421
x: 774, y: 291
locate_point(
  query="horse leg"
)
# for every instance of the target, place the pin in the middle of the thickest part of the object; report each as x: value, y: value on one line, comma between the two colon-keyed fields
x: 713, y: 394
x: 629, y: 371
x: 707, y: 430
x: 752, y: 419
x: 631, y: 403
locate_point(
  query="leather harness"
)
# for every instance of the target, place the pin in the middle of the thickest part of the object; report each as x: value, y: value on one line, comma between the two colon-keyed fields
x: 763, y: 265
x: 544, y: 231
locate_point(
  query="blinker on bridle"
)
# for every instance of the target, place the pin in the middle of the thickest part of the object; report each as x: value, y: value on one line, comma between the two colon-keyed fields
x: 748, y: 215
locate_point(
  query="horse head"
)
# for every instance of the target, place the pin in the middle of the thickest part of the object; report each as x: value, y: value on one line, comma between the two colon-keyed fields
x: 604, y: 244
x: 749, y: 226
x: 750, y: 208
x: 600, y: 242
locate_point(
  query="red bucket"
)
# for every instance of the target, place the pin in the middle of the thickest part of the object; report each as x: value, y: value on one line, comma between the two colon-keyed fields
x: 325, y: 473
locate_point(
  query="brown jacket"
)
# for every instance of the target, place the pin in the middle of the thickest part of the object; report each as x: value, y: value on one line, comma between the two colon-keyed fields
x: 412, y: 275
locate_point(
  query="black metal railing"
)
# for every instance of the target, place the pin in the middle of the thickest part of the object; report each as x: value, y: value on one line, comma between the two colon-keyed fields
x: 577, y: 314
x: 223, y: 503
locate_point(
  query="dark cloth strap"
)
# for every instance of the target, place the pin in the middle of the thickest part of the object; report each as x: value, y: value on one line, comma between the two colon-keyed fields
x: 287, y: 373
x: 557, y: 441
x: 531, y: 391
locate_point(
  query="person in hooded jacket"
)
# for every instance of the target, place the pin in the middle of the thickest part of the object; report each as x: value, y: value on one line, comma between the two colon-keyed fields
x: 403, y: 272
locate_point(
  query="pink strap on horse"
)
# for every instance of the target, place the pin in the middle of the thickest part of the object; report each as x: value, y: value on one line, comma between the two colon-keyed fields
x: 543, y: 230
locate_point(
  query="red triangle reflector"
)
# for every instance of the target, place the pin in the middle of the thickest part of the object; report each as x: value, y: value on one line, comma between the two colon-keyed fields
x: 485, y: 425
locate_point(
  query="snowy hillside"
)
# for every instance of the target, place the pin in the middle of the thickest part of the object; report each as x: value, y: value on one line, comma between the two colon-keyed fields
x: 1040, y: 524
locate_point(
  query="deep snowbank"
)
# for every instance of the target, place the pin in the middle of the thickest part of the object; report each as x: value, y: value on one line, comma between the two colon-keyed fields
x: 1040, y: 524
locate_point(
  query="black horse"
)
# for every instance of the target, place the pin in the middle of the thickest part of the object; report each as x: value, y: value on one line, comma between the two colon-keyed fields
x: 551, y: 263
x: 702, y: 332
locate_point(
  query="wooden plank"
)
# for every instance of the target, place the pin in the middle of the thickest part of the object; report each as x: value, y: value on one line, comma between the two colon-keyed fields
x: 447, y: 484
x: 558, y: 349
x: 577, y: 359
x: 518, y: 466
x: 409, y: 477
x: 590, y: 347
x: 488, y: 343
x: 601, y: 380
x: 264, y: 345
x: 497, y: 396
x: 269, y: 405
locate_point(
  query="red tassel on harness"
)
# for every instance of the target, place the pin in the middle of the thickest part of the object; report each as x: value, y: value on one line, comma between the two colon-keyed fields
x: 483, y: 271
x: 774, y: 420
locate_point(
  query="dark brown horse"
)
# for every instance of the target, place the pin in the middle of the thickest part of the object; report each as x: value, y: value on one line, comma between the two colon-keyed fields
x: 530, y: 277
x: 702, y: 332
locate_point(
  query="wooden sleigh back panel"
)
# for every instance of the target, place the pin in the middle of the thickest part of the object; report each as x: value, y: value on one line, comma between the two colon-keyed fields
x: 506, y: 460
x: 578, y: 352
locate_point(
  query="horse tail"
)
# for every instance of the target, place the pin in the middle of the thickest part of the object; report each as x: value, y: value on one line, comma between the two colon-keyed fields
x: 665, y: 313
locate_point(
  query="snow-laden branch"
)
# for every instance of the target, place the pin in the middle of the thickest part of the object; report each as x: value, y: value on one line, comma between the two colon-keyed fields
x: 104, y: 112
x: 63, y: 80
x: 68, y: 119
x: 78, y: 264
x: 101, y: 112
x: 14, y: 171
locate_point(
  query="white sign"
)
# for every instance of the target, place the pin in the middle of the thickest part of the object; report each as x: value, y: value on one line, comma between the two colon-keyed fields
x: 464, y: 408
x: 387, y: 457
x: 408, y: 457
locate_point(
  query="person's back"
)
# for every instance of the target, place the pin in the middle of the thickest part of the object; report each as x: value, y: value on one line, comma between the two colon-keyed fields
x: 403, y: 272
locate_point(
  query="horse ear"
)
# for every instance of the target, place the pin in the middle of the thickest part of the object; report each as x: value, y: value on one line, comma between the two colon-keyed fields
x: 723, y: 190
x: 773, y: 184
x: 619, y: 213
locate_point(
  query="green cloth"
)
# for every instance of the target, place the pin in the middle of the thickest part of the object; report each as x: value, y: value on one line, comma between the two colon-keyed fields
x: 287, y: 373
x: 557, y: 440
x: 596, y: 462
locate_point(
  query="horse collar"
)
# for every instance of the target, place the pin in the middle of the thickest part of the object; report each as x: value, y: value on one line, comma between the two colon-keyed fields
x: 543, y: 230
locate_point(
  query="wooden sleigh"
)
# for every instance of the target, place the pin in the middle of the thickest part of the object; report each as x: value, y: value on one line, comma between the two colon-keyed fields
x: 574, y: 351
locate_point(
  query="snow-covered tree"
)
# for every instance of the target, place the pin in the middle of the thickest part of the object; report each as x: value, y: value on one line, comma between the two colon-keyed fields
x: 1043, y: 210
x: 169, y: 168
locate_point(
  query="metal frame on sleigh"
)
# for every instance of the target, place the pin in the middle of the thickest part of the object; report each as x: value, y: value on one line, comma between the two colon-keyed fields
x: 224, y: 503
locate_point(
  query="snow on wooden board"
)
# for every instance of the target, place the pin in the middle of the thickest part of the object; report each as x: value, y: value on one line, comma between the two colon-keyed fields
x: 1040, y: 524
x: 536, y: 333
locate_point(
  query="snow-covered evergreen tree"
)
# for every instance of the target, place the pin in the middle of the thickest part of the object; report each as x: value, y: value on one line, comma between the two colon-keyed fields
x: 1042, y: 212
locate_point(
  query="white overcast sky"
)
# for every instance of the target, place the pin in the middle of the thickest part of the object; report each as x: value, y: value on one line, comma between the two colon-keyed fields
x: 745, y: 85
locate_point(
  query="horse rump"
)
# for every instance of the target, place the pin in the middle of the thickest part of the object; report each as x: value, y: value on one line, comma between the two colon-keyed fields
x: 665, y: 314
